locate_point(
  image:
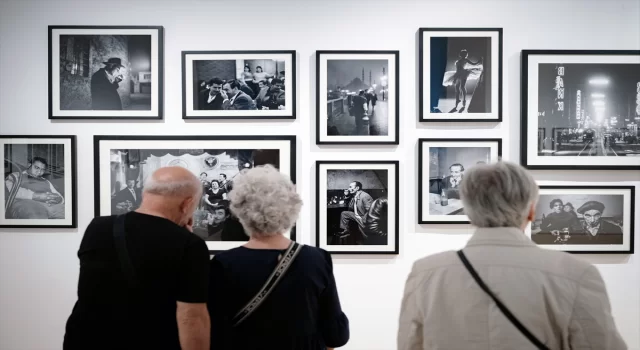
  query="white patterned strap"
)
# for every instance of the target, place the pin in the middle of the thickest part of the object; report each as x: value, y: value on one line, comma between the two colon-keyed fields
x: 283, y: 265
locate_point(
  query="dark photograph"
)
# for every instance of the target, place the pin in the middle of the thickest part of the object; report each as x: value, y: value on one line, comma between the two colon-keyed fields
x: 357, y: 97
x: 216, y: 169
x: 105, y: 72
x: 98, y: 72
x: 239, y: 85
x: 34, y: 181
x: 579, y: 219
x: 588, y: 110
x: 460, y: 75
x: 357, y: 212
x: 446, y: 170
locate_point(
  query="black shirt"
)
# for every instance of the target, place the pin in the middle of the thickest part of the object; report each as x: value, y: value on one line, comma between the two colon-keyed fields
x: 171, y: 264
x: 302, y: 312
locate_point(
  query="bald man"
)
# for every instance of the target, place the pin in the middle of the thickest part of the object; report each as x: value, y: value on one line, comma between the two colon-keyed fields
x: 144, y: 274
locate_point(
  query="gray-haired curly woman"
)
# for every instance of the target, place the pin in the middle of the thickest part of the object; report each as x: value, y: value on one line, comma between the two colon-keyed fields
x: 302, y: 311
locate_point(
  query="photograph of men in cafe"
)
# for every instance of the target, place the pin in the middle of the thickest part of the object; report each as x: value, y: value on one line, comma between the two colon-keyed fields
x: 578, y: 219
x: 34, y: 181
x: 357, y: 212
x: 239, y: 84
x: 446, y: 171
x: 215, y: 168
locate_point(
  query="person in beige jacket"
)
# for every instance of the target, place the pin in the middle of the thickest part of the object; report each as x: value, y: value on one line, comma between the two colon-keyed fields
x: 560, y: 299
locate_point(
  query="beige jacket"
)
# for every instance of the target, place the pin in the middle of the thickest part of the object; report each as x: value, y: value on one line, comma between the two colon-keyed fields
x: 561, y: 299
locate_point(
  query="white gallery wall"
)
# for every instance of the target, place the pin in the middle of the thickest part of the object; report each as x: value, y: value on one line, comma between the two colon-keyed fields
x: 39, y: 268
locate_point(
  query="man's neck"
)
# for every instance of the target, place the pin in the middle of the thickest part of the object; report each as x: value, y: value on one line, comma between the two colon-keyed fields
x: 156, y: 212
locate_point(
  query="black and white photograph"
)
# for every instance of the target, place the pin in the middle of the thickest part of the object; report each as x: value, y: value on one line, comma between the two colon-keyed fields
x: 357, y: 210
x: 585, y: 219
x: 39, y: 187
x: 580, y: 109
x: 105, y: 72
x: 239, y: 84
x: 123, y: 163
x: 441, y: 167
x: 357, y: 97
x: 460, y: 74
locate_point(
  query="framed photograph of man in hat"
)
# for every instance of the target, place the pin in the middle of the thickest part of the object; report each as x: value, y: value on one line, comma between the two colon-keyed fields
x: 123, y: 163
x: 39, y: 181
x: 105, y: 72
x: 592, y: 219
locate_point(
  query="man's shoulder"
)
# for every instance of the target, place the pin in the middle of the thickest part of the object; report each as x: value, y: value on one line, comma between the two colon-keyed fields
x: 611, y: 228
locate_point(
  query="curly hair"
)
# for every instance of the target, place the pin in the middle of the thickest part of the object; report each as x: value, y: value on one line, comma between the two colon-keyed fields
x: 265, y: 201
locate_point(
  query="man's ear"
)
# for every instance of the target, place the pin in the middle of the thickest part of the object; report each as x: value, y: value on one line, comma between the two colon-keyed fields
x: 532, y: 212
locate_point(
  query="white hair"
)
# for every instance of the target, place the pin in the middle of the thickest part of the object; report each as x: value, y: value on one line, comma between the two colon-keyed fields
x: 498, y: 195
x: 173, y: 187
x: 265, y: 201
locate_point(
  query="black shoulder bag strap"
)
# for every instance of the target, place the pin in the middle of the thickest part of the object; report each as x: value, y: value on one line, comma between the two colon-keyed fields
x: 501, y: 306
x: 119, y: 237
x: 283, y: 266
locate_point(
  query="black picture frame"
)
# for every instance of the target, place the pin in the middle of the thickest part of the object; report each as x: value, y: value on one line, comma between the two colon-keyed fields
x: 290, y: 76
x: 97, y: 139
x: 423, y: 117
x: 72, y: 173
x: 570, y: 163
x: 421, y: 185
x: 631, y: 212
x: 396, y: 94
x: 396, y: 212
x: 96, y: 116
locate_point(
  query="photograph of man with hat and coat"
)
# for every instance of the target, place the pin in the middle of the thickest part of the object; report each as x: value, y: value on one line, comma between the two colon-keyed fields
x: 104, y: 85
x: 592, y: 224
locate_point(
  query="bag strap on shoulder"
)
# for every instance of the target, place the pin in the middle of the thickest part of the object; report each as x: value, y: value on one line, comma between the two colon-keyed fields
x: 281, y: 268
x: 532, y: 338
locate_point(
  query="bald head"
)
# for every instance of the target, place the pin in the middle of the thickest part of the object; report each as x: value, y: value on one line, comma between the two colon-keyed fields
x: 173, y: 181
x: 173, y: 193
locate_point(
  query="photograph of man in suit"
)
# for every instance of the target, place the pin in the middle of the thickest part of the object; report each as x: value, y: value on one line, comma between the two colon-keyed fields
x: 276, y: 97
x: 360, y: 107
x: 212, y: 99
x: 593, y: 224
x: 36, y: 197
x: 357, y: 211
x: 221, y: 225
x: 127, y: 199
x: 236, y: 99
x: 451, y: 183
x: 104, y: 85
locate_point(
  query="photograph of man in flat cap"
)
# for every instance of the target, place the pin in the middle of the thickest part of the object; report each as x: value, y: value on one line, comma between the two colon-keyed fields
x: 593, y: 224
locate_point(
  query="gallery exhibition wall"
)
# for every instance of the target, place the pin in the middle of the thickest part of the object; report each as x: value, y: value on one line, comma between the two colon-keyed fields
x: 39, y: 266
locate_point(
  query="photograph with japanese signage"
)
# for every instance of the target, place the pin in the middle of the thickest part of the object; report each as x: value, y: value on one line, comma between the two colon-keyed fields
x: 580, y: 109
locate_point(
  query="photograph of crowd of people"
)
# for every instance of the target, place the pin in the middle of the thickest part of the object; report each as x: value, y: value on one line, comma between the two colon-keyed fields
x: 357, y: 96
x: 37, y: 184
x: 105, y: 75
x: 461, y: 74
x: 245, y: 85
x: 579, y: 219
x: 442, y: 165
x: 216, y: 169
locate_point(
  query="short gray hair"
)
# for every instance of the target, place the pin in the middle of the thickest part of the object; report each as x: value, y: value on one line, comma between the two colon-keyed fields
x: 265, y: 201
x: 498, y: 195
x: 179, y: 184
